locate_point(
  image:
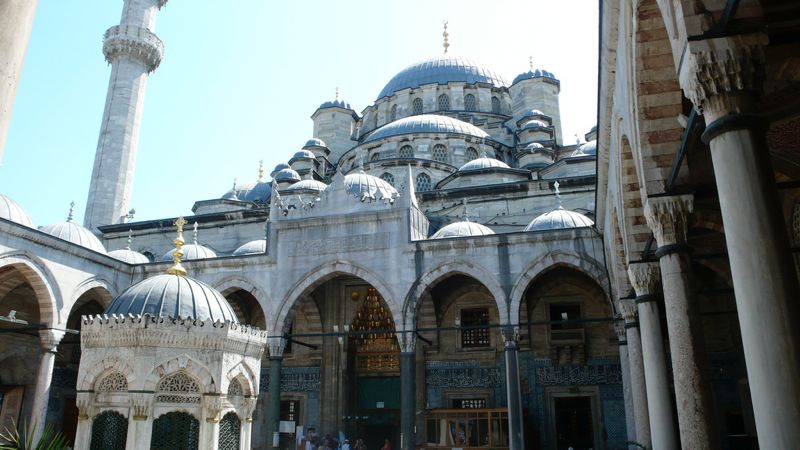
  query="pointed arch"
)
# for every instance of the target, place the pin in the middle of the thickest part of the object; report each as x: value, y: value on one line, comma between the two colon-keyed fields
x: 41, y: 280
x: 246, y: 377
x: 182, y: 363
x: 93, y: 373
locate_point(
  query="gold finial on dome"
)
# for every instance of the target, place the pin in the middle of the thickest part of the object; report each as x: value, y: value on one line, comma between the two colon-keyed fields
x: 71, y: 214
x: 260, y: 172
x: 177, y: 268
x: 445, y: 34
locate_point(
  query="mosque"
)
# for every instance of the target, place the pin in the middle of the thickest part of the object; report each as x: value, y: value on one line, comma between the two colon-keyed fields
x: 441, y: 269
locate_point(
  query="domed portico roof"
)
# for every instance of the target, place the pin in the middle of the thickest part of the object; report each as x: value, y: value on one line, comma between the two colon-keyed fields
x: 441, y: 70
x: 483, y: 162
x: 462, y: 229
x: 252, y: 248
x: 559, y: 218
x: 426, y: 123
x: 72, y: 232
x: 307, y: 185
x: 127, y: 255
x: 10, y: 210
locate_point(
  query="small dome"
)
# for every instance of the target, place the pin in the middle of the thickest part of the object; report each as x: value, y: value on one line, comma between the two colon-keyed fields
x: 483, y: 163
x: 335, y: 104
x: 281, y: 166
x: 533, y: 146
x: 129, y: 256
x: 441, y: 70
x: 304, y: 154
x: 534, y: 74
x: 10, y: 210
x: 462, y: 229
x: 315, y: 142
x: 258, y: 192
x: 587, y: 149
x: 307, y: 185
x: 558, y: 219
x: 173, y: 296
x: 535, y: 123
x: 72, y: 232
x: 426, y: 123
x: 287, y: 175
x: 252, y: 248
x: 190, y: 251
x: 368, y: 187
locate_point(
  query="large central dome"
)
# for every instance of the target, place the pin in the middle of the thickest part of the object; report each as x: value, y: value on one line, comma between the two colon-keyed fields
x: 442, y: 71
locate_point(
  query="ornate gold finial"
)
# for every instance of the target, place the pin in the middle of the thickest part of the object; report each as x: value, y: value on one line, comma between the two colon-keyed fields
x: 194, y: 234
x: 260, y: 171
x: 177, y: 268
x: 337, y: 94
x: 71, y: 214
x: 530, y: 62
x: 445, y: 34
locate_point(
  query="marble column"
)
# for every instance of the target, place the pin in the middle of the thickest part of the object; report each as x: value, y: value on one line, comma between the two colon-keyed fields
x: 140, y: 421
x: 49, y: 340
x: 722, y: 77
x: 407, y: 400
x: 516, y: 439
x: 667, y: 216
x: 625, y: 370
x: 636, y: 369
x: 246, y: 434
x: 273, y: 413
x: 83, y: 435
x: 209, y: 423
x: 645, y: 278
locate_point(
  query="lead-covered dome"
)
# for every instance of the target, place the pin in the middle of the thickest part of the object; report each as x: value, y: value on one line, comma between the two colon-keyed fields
x: 368, y: 187
x: 483, y: 162
x: 307, y: 185
x: 173, y: 296
x: 441, y: 70
x: 10, y: 210
x: 258, y: 192
x: 287, y: 176
x: 72, y: 232
x: 587, y: 149
x: 129, y: 256
x: 314, y: 142
x: 462, y: 229
x: 258, y: 246
x: 190, y: 251
x: 558, y: 219
x: 426, y: 123
x: 537, y: 73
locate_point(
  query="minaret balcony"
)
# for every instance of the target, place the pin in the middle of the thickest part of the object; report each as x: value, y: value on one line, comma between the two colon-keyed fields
x: 136, y: 43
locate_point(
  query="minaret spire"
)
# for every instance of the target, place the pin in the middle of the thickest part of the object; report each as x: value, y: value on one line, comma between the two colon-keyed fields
x: 133, y: 51
x: 446, y: 35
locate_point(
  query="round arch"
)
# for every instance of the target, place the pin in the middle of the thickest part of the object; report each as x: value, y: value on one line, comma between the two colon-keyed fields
x: 323, y: 273
x: 585, y: 265
x: 105, y: 288
x: 231, y: 284
x: 433, y: 276
x: 41, y: 280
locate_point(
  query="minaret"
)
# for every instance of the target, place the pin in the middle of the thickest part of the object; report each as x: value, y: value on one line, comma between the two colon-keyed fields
x: 133, y: 51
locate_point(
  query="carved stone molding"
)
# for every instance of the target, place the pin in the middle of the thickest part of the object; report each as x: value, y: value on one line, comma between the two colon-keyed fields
x: 716, y: 66
x: 84, y: 402
x: 50, y: 339
x: 249, y: 407
x: 136, y: 43
x: 212, y: 404
x: 407, y: 341
x: 645, y: 277
x: 668, y: 218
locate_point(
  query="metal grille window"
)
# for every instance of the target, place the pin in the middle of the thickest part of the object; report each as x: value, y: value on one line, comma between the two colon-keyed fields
x: 469, y: 102
x: 235, y: 388
x: 113, y: 382
x: 230, y: 432
x: 175, y: 431
x: 109, y: 430
x: 495, y: 105
x: 475, y: 337
x: 406, y: 152
x: 469, y: 403
x: 439, y: 153
x: 416, y: 106
x: 471, y: 154
x: 178, y: 388
x: 387, y: 177
x: 444, y: 103
x: 423, y: 183
x: 290, y: 410
x: 393, y: 114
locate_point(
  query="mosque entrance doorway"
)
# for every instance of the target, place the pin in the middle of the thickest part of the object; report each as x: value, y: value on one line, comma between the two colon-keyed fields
x: 374, y: 357
x: 573, y: 420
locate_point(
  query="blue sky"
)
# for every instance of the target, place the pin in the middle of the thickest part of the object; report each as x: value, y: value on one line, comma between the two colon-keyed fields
x: 241, y: 78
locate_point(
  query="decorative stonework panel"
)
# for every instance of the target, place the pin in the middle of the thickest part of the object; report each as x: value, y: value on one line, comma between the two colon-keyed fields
x: 579, y: 375
x: 461, y: 375
x: 294, y: 379
x: 113, y: 382
x: 235, y: 389
x: 178, y: 388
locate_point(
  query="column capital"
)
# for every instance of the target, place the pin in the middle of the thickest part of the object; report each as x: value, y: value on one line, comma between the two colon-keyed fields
x: 276, y: 346
x: 620, y: 331
x: 510, y: 335
x: 250, y: 403
x: 668, y: 217
x: 627, y: 309
x: 212, y: 406
x: 645, y: 277
x: 141, y: 405
x: 50, y: 339
x: 712, y: 68
x: 406, y: 340
x: 84, y: 402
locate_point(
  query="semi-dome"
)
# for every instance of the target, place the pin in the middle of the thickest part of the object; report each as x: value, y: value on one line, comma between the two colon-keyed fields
x: 258, y: 192
x: 287, y: 175
x: 483, y: 162
x: 462, y: 229
x: 426, y: 123
x: 72, y: 232
x: 315, y: 142
x: 441, y: 70
x: 307, y: 185
x: 129, y: 256
x: 173, y: 296
x: 190, y: 251
x: 10, y: 210
x: 368, y: 187
x: 587, y: 149
x: 538, y: 73
x: 558, y: 219
x: 252, y: 248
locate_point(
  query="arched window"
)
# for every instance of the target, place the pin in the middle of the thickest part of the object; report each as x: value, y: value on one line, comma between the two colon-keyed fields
x: 113, y: 382
x: 173, y: 431
x: 178, y: 388
x: 374, y: 156
x: 444, y: 103
x: 235, y: 388
x: 495, y: 105
x: 387, y: 177
x: 393, y: 114
x: 423, y: 182
x: 471, y: 153
x: 229, y: 432
x: 439, y: 153
x: 416, y: 106
x: 469, y: 102
x: 406, y: 152
x: 109, y: 430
